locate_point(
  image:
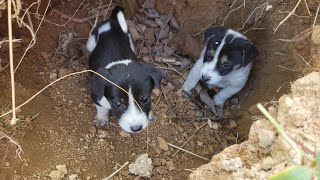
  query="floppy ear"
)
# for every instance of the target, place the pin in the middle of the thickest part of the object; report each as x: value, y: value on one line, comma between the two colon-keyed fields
x: 97, y: 83
x: 155, y: 74
x: 250, y: 52
x: 213, y: 31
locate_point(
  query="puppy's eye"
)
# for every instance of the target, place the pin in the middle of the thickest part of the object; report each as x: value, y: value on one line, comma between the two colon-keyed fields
x: 226, y: 65
x: 145, y: 100
x: 117, y: 104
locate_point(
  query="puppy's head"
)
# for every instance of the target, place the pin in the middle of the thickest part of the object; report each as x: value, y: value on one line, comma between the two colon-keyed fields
x: 227, y: 50
x: 132, y: 109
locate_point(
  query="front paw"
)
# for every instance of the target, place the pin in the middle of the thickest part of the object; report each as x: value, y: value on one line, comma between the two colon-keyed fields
x: 151, y: 116
x: 100, y: 122
x: 219, y: 110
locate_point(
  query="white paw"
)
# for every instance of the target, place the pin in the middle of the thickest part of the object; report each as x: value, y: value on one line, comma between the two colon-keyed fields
x: 100, y: 122
x: 151, y: 116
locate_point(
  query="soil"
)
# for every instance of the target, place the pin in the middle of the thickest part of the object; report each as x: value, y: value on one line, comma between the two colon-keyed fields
x: 56, y: 127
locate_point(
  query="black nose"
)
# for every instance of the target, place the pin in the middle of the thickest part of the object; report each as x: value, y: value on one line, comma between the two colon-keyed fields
x: 205, y: 78
x: 136, y: 128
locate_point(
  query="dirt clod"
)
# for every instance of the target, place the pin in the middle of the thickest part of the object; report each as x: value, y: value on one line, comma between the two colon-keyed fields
x: 266, y: 137
x: 162, y: 144
x: 142, y: 166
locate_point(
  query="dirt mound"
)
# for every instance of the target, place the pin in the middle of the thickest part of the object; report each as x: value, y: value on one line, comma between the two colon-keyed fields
x: 265, y: 152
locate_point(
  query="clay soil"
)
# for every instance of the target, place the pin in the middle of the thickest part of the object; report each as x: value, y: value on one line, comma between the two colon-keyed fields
x: 56, y: 127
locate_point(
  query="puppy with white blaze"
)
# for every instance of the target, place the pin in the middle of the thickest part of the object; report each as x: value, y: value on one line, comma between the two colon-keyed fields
x: 224, y: 62
x: 112, y: 55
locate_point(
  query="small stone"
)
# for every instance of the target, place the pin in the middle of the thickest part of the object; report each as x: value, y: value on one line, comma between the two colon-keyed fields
x: 267, y: 163
x: 53, y: 76
x: 142, y: 166
x: 232, y: 124
x: 162, y: 144
x: 213, y: 125
x: 125, y: 134
x: 44, y: 55
x: 73, y: 177
x: 199, y: 143
x: 170, y: 165
x: 56, y: 175
x: 7, y: 164
x: 266, y: 137
x: 185, y: 134
x: 112, y: 147
x: 41, y: 73
x: 62, y: 168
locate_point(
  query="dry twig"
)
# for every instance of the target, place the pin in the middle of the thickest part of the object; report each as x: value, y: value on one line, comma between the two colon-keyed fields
x: 287, y: 17
x: 174, y: 146
x: 114, y: 173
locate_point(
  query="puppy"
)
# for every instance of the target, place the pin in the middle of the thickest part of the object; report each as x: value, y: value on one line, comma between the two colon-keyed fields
x: 225, y: 62
x: 111, y: 54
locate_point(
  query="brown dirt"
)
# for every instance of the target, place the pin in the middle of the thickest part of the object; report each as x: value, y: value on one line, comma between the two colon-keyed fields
x: 63, y: 133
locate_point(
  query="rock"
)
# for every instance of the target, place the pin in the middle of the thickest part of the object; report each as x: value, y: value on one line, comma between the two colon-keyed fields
x: 316, y: 35
x: 73, y: 177
x: 142, y: 166
x: 41, y: 73
x: 199, y: 143
x: 56, y: 175
x: 266, y: 137
x: 53, y: 76
x: 170, y: 165
x: 125, y: 134
x: 7, y: 164
x: 213, y: 125
x: 44, y: 55
x: 232, y: 124
x: 163, y: 144
x: 267, y: 163
x: 62, y: 168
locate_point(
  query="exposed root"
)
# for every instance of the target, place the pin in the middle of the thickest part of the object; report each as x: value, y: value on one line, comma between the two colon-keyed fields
x: 18, y: 150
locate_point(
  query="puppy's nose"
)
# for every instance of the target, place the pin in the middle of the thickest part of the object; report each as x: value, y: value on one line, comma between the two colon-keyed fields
x: 136, y: 128
x: 205, y: 78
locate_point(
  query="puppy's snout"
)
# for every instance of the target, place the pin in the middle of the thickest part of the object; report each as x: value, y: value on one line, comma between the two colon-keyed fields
x: 136, y: 128
x: 205, y: 78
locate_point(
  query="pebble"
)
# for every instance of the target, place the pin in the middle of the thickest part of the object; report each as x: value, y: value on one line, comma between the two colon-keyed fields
x: 41, y: 73
x: 44, y: 55
x: 199, y: 143
x: 232, y: 124
x: 53, y: 76
x: 185, y: 134
x: 7, y: 164
x: 163, y: 144
x: 62, y: 168
x: 56, y: 175
x: 180, y: 129
x: 73, y: 177
x: 112, y: 147
x: 170, y: 165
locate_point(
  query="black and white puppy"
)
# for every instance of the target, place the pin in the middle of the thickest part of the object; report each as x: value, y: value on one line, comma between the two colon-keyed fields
x: 112, y: 55
x: 225, y: 62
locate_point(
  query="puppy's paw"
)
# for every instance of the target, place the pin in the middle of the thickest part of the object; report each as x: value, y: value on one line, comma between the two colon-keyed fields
x: 100, y: 122
x: 219, y: 110
x: 185, y: 93
x: 151, y: 116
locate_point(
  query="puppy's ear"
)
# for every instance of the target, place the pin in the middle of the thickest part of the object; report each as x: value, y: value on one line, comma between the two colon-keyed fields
x: 155, y: 74
x: 250, y: 52
x: 213, y: 31
x: 97, y: 83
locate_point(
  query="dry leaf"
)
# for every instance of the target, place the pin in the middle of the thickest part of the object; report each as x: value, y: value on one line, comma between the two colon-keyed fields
x: 149, y: 4
x: 174, y: 23
x: 152, y: 13
x: 164, y: 32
